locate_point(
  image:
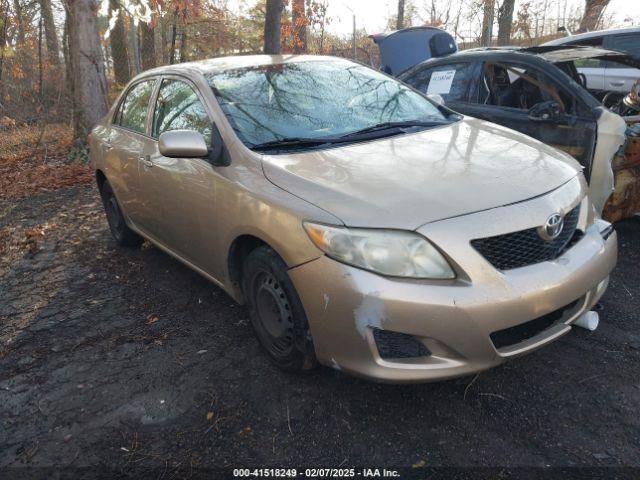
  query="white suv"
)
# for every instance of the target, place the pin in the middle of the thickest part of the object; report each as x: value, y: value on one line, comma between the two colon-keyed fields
x: 603, y: 74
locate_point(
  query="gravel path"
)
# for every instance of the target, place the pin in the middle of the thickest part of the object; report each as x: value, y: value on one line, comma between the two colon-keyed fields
x: 127, y: 360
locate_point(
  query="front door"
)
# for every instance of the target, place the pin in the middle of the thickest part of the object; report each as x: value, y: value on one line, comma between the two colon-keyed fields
x: 505, y: 94
x: 183, y: 189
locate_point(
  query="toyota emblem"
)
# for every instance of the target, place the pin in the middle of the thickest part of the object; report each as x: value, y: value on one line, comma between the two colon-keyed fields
x: 552, y: 228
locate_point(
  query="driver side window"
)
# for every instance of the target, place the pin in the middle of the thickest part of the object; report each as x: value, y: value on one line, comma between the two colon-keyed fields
x: 507, y: 85
x: 178, y: 107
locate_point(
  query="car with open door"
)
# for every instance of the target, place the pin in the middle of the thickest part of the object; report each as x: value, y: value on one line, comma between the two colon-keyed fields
x: 536, y: 91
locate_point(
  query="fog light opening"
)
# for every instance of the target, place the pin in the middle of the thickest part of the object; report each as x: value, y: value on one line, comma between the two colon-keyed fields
x: 395, y: 345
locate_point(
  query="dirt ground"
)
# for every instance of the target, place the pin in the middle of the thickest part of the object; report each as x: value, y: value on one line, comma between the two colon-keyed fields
x: 126, y: 360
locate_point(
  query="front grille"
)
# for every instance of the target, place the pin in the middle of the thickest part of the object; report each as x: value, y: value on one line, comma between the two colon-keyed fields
x: 398, y: 345
x: 526, y: 247
x: 524, y: 331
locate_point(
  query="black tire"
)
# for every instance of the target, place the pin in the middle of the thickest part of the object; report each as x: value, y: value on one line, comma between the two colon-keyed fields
x: 276, y: 312
x: 122, y: 234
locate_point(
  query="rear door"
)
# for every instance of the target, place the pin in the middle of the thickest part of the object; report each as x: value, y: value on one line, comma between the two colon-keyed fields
x: 125, y: 143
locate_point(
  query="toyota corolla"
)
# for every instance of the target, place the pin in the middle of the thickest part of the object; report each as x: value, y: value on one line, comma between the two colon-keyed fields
x: 364, y: 226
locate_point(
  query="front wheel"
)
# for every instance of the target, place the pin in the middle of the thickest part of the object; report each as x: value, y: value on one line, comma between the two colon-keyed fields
x: 276, y: 312
x: 122, y: 234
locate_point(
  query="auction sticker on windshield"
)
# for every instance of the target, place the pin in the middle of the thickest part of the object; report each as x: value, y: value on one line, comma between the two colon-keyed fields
x: 441, y: 82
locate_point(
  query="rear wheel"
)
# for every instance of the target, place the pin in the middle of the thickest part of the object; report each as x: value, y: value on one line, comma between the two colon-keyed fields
x: 276, y: 312
x: 122, y: 234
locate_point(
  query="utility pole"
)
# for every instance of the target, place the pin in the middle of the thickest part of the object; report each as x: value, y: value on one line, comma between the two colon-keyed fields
x: 354, y: 36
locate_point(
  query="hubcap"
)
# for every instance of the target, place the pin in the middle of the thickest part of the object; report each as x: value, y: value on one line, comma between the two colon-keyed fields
x: 274, y: 312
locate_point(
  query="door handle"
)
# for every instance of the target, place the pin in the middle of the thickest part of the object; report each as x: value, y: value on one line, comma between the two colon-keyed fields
x: 616, y: 84
x: 146, y: 161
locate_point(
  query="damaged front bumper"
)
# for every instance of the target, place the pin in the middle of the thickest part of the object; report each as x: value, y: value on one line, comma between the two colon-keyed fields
x: 463, y: 325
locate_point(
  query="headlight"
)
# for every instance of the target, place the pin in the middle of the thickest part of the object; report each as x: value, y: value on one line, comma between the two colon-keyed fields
x: 389, y: 252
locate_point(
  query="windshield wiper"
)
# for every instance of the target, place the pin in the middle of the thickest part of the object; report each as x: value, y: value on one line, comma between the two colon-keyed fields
x: 368, y: 132
x: 293, y: 142
x: 394, y: 126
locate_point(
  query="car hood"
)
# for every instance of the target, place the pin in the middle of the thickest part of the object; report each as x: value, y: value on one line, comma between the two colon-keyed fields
x: 408, y: 180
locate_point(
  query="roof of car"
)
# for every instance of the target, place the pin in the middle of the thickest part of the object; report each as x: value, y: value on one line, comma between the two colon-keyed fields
x: 551, y: 53
x: 594, y: 34
x: 221, y: 64
x: 379, y: 37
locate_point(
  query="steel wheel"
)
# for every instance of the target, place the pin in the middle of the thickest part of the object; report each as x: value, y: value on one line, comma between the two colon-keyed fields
x: 122, y: 234
x: 276, y: 312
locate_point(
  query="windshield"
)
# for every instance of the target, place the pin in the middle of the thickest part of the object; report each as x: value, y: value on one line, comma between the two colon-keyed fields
x: 314, y: 99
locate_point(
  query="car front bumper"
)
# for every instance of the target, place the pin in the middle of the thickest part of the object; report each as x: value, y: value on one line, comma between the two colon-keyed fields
x: 453, y: 319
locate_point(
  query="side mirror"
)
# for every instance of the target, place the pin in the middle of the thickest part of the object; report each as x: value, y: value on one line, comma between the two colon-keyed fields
x: 182, y: 144
x: 436, y: 98
x: 545, y: 112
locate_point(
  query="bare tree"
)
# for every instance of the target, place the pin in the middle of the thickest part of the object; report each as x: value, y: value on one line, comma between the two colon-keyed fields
x: 487, y: 22
x: 505, y: 20
x: 53, y: 49
x: 118, y: 40
x: 400, y: 18
x: 89, y: 80
x: 18, y: 9
x: 592, y: 12
x: 3, y: 39
x: 147, y: 45
x: 299, y: 19
x: 272, y: 22
x: 174, y: 35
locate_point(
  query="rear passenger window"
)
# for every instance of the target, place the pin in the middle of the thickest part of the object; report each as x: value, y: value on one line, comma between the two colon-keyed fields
x: 450, y: 81
x: 132, y: 113
x: 179, y: 108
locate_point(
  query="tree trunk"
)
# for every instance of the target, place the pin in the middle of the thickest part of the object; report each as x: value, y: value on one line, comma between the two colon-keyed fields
x: 299, y: 26
x: 134, y: 43
x: 400, y: 18
x: 118, y: 40
x: 184, y: 52
x: 164, y: 54
x: 147, y: 46
x: 505, y: 20
x: 592, y: 12
x: 174, y: 33
x: 3, y: 40
x: 20, y: 22
x: 66, y: 55
x: 487, y: 23
x: 53, y: 49
x: 89, y: 80
x: 272, y: 20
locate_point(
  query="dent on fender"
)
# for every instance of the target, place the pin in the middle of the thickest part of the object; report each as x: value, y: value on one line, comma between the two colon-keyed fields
x: 369, y: 314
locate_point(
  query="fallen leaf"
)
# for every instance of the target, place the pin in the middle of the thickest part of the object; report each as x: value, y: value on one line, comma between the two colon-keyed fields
x: 419, y: 464
x: 209, y: 416
x: 151, y: 319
